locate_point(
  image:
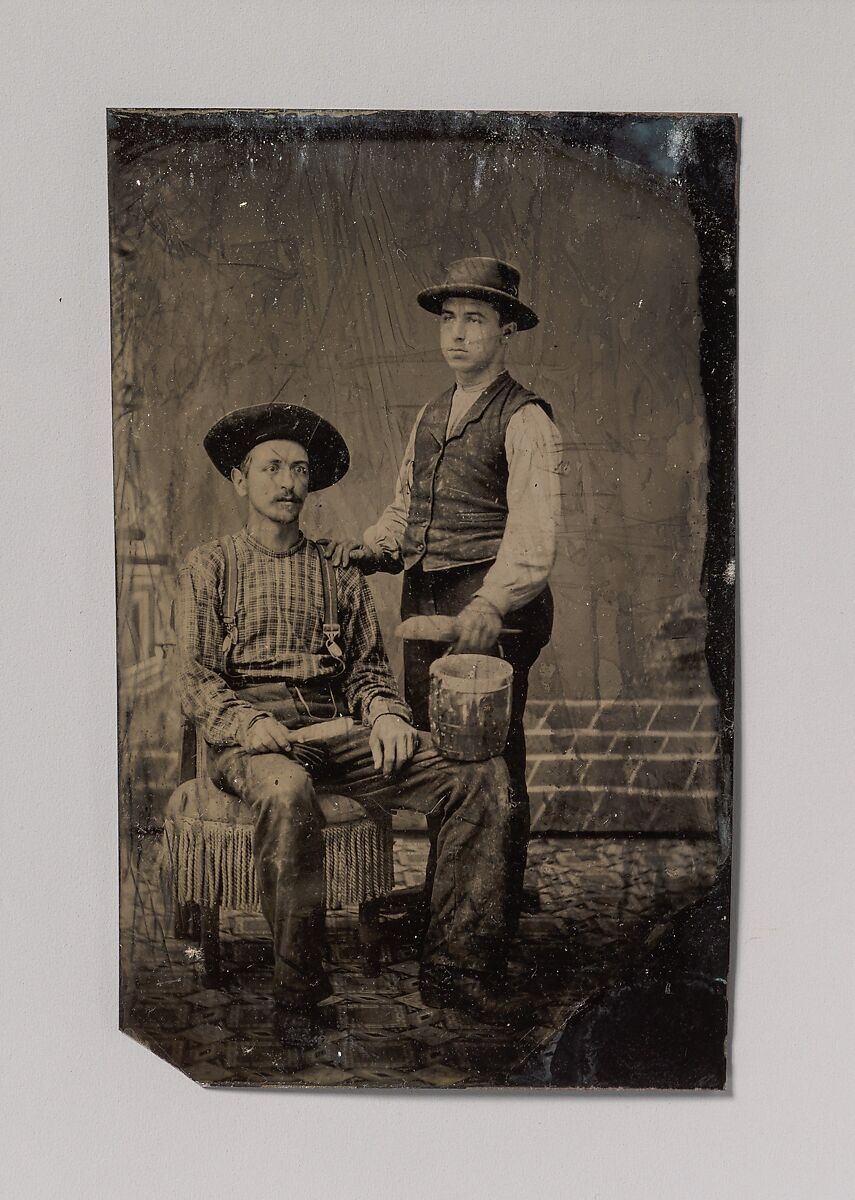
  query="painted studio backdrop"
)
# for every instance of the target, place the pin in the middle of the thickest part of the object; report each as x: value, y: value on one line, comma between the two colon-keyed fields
x: 264, y: 256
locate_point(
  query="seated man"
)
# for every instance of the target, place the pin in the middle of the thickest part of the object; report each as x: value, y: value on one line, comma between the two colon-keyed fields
x: 269, y: 659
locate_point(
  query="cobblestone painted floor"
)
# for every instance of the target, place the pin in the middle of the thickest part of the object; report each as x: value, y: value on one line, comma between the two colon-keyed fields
x: 597, y: 898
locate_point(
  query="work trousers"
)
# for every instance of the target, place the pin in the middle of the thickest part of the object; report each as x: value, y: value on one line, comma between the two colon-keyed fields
x: 446, y: 593
x: 469, y: 803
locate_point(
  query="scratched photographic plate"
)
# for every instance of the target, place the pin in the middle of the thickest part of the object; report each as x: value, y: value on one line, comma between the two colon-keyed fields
x: 259, y: 254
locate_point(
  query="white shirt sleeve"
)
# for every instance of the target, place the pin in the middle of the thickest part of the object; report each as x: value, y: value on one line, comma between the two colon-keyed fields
x: 387, y: 533
x: 527, y: 550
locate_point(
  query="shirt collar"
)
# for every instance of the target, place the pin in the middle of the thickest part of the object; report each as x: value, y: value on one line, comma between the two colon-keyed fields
x: 256, y: 545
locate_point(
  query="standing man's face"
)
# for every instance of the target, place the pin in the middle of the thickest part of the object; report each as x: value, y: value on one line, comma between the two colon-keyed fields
x: 471, y: 336
x: 275, y: 480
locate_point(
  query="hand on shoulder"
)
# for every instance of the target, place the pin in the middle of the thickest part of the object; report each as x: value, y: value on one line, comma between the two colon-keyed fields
x: 349, y: 552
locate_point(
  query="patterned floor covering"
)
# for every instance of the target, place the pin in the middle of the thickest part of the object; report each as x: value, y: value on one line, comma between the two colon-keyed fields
x: 598, y: 898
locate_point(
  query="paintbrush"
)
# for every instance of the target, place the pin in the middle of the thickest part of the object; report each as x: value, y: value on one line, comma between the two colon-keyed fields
x: 435, y: 629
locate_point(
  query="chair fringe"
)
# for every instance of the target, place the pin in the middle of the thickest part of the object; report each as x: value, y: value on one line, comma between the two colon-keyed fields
x: 211, y: 862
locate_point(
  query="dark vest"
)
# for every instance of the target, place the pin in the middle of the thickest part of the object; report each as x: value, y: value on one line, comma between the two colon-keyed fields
x: 458, y: 503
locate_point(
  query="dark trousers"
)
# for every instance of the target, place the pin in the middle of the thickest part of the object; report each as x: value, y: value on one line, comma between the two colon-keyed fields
x: 446, y: 593
x: 470, y: 804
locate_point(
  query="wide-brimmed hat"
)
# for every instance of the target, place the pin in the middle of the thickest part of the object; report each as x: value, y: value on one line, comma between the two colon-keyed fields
x: 235, y: 434
x: 487, y: 279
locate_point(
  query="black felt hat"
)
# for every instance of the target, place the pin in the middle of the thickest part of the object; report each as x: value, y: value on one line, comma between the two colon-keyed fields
x: 487, y: 279
x: 235, y: 434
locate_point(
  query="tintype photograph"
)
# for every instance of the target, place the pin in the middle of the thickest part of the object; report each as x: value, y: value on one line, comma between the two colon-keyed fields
x: 424, y: 447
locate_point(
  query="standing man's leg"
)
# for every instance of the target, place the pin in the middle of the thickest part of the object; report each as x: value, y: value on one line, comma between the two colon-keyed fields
x: 470, y: 915
x: 445, y: 593
x: 515, y: 758
x: 420, y: 597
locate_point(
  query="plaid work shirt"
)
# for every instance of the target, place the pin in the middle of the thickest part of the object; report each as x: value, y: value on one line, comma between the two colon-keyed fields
x: 279, y: 616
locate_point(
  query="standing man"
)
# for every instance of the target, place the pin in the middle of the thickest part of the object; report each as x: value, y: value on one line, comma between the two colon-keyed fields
x: 265, y: 650
x: 474, y: 518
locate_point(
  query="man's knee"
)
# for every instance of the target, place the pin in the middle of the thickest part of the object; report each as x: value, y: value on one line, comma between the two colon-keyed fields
x: 281, y: 788
x: 489, y: 780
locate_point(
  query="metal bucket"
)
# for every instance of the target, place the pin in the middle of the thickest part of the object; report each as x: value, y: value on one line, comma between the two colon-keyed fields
x: 470, y: 705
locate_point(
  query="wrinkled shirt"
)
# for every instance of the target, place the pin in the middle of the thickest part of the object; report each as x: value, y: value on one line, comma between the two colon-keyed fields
x: 279, y: 617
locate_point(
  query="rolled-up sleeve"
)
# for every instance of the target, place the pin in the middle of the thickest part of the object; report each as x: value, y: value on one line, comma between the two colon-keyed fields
x: 526, y: 554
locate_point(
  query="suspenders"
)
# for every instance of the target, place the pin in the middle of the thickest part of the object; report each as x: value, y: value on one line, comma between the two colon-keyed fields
x: 229, y: 596
x: 332, y: 629
x: 331, y: 626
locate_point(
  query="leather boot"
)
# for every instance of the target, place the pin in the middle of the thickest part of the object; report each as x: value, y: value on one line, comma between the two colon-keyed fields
x: 473, y: 995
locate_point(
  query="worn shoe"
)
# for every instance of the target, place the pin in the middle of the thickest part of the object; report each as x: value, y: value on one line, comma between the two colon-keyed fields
x: 297, y: 1020
x: 301, y: 1028
x: 315, y: 993
x: 473, y: 995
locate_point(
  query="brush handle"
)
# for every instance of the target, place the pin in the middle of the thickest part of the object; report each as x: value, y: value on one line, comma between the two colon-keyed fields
x: 436, y: 629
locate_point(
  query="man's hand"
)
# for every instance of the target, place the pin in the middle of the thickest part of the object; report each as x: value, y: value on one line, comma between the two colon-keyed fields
x: 342, y: 554
x: 478, y: 628
x: 268, y: 736
x: 393, y: 743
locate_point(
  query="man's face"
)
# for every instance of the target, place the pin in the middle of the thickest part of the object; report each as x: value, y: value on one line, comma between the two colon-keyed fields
x: 471, y: 335
x: 275, y: 480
